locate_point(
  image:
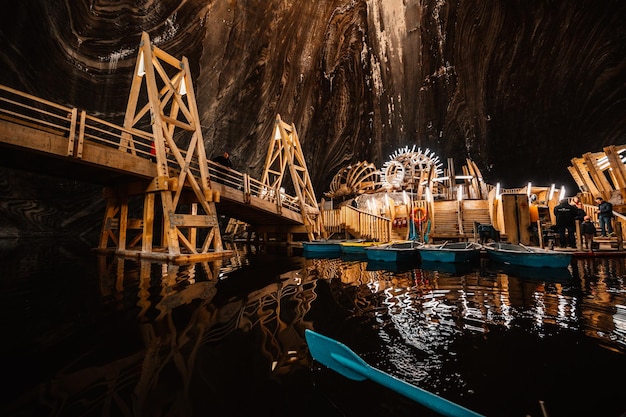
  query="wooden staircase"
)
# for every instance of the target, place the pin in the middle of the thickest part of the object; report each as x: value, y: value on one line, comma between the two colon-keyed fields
x: 456, y: 220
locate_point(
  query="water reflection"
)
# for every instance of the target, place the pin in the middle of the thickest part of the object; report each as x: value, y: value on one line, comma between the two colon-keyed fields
x: 428, y: 317
x: 141, y: 338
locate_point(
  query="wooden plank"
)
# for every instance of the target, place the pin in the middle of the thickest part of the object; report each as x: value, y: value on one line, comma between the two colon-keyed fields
x: 148, y: 222
x: 193, y: 233
x: 115, y: 160
x: 72, y: 133
x: 516, y: 218
x: 190, y: 220
x: 474, y: 188
x: 591, y: 162
x: 451, y: 177
x: 123, y: 224
x: 577, y: 178
x: 36, y: 126
x: 581, y: 169
x: 33, y: 139
x: 618, y: 170
x: 109, y: 216
x: 159, y: 184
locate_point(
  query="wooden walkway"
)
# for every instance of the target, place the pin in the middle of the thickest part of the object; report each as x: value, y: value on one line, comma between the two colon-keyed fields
x: 157, y: 153
x: 35, y: 135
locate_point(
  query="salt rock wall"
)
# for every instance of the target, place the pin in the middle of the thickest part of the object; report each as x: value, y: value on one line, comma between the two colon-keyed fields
x: 519, y: 87
x: 32, y: 206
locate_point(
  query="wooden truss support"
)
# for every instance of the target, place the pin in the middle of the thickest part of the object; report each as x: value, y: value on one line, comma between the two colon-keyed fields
x: 617, y: 168
x: 597, y: 175
x: 285, y: 155
x: 601, y: 173
x: 145, y: 235
x: 164, y: 87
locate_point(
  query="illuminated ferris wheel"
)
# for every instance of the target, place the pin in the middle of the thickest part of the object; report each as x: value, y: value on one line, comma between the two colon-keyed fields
x: 406, y: 167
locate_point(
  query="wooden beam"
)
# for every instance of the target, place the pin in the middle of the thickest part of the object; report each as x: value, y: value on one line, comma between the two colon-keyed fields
x: 191, y: 220
x: 599, y: 179
x: 618, y: 170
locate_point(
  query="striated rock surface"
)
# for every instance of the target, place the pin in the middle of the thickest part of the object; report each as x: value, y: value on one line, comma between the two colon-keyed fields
x: 519, y: 87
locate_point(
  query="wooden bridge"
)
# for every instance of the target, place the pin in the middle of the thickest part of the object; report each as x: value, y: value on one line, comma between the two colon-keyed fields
x: 162, y: 193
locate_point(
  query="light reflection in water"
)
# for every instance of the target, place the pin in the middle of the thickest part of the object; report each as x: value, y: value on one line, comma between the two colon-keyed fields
x: 423, y: 314
x: 449, y: 330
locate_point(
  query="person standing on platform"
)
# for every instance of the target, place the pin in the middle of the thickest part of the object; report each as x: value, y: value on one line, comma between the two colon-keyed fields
x: 223, y: 176
x: 224, y: 160
x: 580, y: 211
x: 605, y: 216
x: 565, y: 214
x: 588, y: 230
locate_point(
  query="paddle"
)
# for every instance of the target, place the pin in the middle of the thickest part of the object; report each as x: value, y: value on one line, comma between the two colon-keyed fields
x: 344, y: 361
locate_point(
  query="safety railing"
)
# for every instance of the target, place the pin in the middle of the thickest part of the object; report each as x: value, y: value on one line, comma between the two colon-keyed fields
x: 31, y: 111
x: 367, y: 225
x: 77, y: 127
x: 250, y: 186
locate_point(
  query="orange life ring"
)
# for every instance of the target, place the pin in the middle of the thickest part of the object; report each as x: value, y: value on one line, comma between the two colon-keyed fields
x: 419, y: 219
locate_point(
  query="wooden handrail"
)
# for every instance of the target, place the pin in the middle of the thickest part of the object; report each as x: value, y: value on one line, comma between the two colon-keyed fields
x: 27, y: 110
x: 367, y: 225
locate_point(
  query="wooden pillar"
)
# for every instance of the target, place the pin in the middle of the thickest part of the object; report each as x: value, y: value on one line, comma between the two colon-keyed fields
x: 540, y: 234
x: 193, y: 231
x: 148, y: 223
x: 123, y: 223
x: 618, y: 233
x: 107, y: 223
x: 516, y: 218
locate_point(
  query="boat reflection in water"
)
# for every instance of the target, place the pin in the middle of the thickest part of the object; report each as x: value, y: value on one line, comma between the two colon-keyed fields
x: 110, y: 336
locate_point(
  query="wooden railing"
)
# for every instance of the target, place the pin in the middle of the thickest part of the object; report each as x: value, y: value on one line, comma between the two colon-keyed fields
x: 590, y: 210
x: 77, y: 127
x: 366, y: 225
x: 248, y: 185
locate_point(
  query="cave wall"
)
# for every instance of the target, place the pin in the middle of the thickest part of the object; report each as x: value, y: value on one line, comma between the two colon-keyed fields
x: 519, y: 87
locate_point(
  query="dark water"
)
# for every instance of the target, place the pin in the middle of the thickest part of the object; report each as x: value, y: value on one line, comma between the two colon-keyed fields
x: 87, y: 335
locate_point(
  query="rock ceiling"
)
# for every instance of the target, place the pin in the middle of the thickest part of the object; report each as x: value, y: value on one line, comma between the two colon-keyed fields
x: 520, y: 87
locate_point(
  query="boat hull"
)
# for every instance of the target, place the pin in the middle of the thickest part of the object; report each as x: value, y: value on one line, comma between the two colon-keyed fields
x: 403, y: 252
x: 356, y: 248
x: 451, y: 252
x: 528, y: 257
x: 322, y: 248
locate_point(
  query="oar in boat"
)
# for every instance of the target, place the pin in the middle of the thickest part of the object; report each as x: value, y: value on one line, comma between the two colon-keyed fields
x: 526, y: 247
x: 338, y: 357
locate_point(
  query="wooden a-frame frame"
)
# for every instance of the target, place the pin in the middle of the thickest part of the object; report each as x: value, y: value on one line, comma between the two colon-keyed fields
x: 285, y: 153
x: 169, y: 109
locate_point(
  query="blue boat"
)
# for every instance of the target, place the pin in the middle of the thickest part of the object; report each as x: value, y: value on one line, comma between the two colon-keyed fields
x: 322, y: 248
x: 521, y: 255
x: 406, y: 251
x: 325, y: 248
x: 451, y: 252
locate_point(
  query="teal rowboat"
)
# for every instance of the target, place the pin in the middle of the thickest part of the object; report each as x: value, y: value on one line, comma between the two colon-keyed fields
x: 406, y: 251
x: 451, y: 252
x: 521, y: 255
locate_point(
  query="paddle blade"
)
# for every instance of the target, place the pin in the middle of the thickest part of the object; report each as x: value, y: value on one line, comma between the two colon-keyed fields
x: 338, y: 357
x: 327, y: 351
